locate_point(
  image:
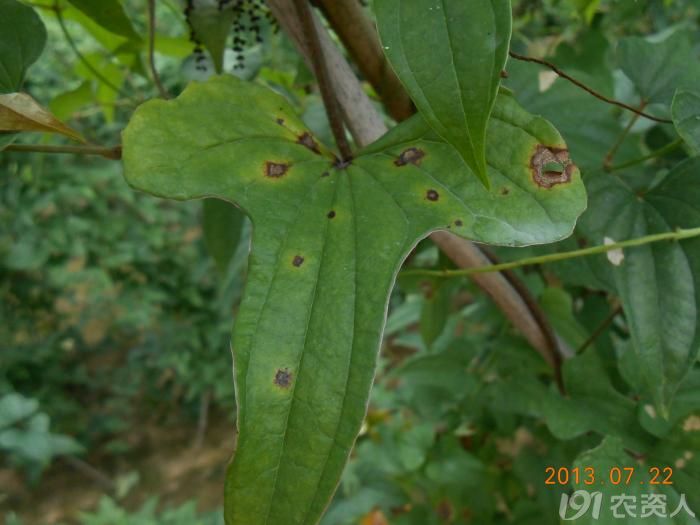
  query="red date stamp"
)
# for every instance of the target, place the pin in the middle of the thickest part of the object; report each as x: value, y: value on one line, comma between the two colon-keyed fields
x: 613, y: 476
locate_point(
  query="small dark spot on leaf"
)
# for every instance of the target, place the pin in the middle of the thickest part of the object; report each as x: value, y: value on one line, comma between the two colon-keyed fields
x: 410, y: 156
x: 325, y: 174
x: 283, y: 378
x: 432, y: 195
x: 458, y: 222
x: 551, y: 166
x: 307, y: 140
x: 275, y: 169
x: 331, y: 214
x: 582, y: 242
x: 504, y: 73
x: 505, y: 191
x: 298, y: 260
x: 280, y: 121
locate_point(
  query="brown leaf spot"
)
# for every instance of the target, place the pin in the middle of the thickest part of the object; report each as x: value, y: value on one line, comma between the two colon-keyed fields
x: 459, y: 222
x: 432, y: 195
x: 275, y: 170
x: 298, y: 260
x: 410, y: 156
x: 504, y: 73
x: 283, y: 377
x: 280, y: 121
x: 307, y: 140
x: 505, y: 191
x: 543, y: 156
x: 325, y: 174
x: 331, y: 214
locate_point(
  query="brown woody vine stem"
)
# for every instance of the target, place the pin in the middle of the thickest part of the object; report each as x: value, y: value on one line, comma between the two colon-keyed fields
x: 335, y: 115
x: 586, y: 88
x: 114, y: 153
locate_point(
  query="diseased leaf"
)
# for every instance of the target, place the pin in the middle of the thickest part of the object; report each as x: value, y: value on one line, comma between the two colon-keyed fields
x: 222, y: 223
x: 22, y: 39
x: 657, y: 283
x: 449, y: 55
x: 686, y: 117
x: 328, y: 242
x: 108, y: 14
x: 20, y: 112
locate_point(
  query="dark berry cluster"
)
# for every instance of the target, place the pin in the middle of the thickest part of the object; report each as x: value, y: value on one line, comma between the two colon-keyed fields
x: 250, y: 17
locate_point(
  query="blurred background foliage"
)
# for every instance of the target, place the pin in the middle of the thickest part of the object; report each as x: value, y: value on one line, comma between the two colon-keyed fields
x: 116, y: 398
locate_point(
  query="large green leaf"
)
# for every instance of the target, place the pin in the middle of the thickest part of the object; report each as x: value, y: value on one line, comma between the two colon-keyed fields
x: 449, y: 54
x: 328, y: 242
x: 658, y: 283
x: 108, y: 14
x: 686, y: 117
x: 22, y: 39
x: 659, y: 64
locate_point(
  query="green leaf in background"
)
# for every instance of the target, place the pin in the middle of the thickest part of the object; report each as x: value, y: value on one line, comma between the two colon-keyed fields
x: 211, y: 26
x: 68, y: 103
x: 20, y: 112
x: 685, y: 111
x: 657, y: 283
x: 620, y: 490
x: 22, y: 39
x: 659, y: 64
x: 222, y: 223
x: 328, y: 242
x: 449, y: 54
x: 108, y: 14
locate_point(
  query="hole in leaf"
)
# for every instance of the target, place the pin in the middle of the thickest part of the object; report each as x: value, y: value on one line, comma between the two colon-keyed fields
x: 551, y: 166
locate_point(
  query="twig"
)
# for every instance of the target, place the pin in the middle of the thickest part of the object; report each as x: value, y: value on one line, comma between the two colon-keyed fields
x: 91, y: 472
x: 654, y: 154
x: 74, y: 47
x: 586, y: 88
x: 540, y: 318
x: 553, y: 257
x: 610, y: 155
x: 152, y: 46
x: 359, y: 36
x: 202, y: 423
x: 600, y: 329
x: 114, y: 153
x: 335, y: 115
